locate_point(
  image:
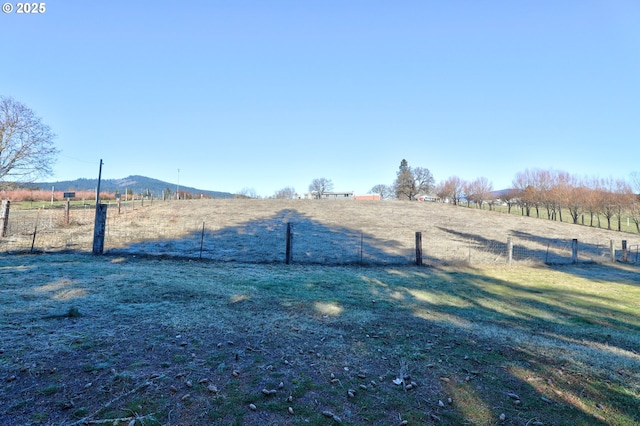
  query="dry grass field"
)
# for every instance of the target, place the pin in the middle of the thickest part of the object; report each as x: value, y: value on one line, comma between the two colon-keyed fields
x: 126, y: 339
x: 324, y: 232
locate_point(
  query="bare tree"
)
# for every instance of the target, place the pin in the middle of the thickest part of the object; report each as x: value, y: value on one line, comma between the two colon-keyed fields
x: 454, y: 189
x: 577, y: 198
x: 26, y: 143
x: 510, y: 196
x: 479, y: 191
x: 320, y: 186
x: 286, y: 193
x: 609, y: 200
x: 247, y: 193
x: 384, y: 191
x: 623, y: 199
x: 594, y: 200
x: 525, y: 184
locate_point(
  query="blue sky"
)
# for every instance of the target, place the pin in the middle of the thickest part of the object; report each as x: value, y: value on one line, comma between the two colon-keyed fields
x: 268, y: 94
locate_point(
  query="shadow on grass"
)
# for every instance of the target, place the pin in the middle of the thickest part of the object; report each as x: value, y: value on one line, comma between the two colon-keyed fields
x: 264, y: 241
x: 554, y: 347
x: 551, y: 251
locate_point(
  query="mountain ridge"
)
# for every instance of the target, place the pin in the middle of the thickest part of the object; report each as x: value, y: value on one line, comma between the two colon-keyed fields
x: 136, y: 183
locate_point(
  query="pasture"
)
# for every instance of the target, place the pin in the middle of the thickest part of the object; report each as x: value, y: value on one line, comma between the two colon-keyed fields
x: 131, y: 339
x: 324, y: 232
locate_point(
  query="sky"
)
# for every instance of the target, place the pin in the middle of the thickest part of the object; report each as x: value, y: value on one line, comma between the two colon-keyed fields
x: 226, y: 95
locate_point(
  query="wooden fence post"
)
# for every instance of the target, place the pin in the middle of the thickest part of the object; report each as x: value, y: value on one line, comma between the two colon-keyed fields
x: 419, y: 248
x: 4, y: 217
x: 624, y: 251
x: 288, y: 251
x: 99, y: 228
x: 509, y: 250
x: 574, y: 250
x: 67, y: 211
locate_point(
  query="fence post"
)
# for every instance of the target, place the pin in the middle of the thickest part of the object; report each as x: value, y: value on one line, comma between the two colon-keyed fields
x: 419, y: 248
x: 35, y: 231
x: 624, y: 250
x: 289, y: 237
x: 509, y: 250
x: 574, y: 250
x: 4, y: 217
x: 99, y: 228
x: 67, y: 211
x: 612, y: 251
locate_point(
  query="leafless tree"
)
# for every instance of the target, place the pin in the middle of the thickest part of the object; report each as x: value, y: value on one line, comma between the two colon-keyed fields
x: 623, y: 199
x: 479, y: 191
x: 320, y: 186
x: 510, y: 196
x: 286, y: 193
x: 526, y: 184
x: 452, y: 189
x: 384, y: 191
x: 26, y: 143
x: 577, y: 198
x: 247, y: 193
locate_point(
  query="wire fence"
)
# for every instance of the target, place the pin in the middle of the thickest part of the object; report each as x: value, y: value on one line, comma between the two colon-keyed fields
x: 306, y: 242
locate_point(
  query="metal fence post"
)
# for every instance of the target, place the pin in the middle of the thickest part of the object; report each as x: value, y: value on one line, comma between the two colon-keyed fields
x: 624, y: 251
x: 509, y: 250
x: 574, y: 250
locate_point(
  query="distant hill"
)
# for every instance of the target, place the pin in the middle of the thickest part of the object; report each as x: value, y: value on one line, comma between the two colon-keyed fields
x: 138, y: 184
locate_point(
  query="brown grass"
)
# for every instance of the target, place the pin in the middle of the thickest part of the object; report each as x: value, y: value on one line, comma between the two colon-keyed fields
x: 331, y: 232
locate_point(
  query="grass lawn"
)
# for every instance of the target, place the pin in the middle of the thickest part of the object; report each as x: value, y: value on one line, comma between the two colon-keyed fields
x: 130, y: 340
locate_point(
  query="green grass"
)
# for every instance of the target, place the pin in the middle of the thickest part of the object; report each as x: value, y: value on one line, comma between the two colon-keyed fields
x: 566, y: 218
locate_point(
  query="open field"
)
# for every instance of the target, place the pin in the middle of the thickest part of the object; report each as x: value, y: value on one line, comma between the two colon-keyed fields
x: 324, y: 233
x: 130, y: 340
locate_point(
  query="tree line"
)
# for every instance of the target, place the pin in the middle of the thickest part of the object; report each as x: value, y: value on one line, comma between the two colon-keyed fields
x: 534, y: 191
x: 552, y: 191
x: 539, y: 192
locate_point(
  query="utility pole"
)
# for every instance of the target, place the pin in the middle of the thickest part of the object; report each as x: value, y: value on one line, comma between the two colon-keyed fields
x: 98, y: 188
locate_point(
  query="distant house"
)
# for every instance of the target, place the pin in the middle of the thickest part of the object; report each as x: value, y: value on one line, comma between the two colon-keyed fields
x: 332, y: 196
x: 428, y: 197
